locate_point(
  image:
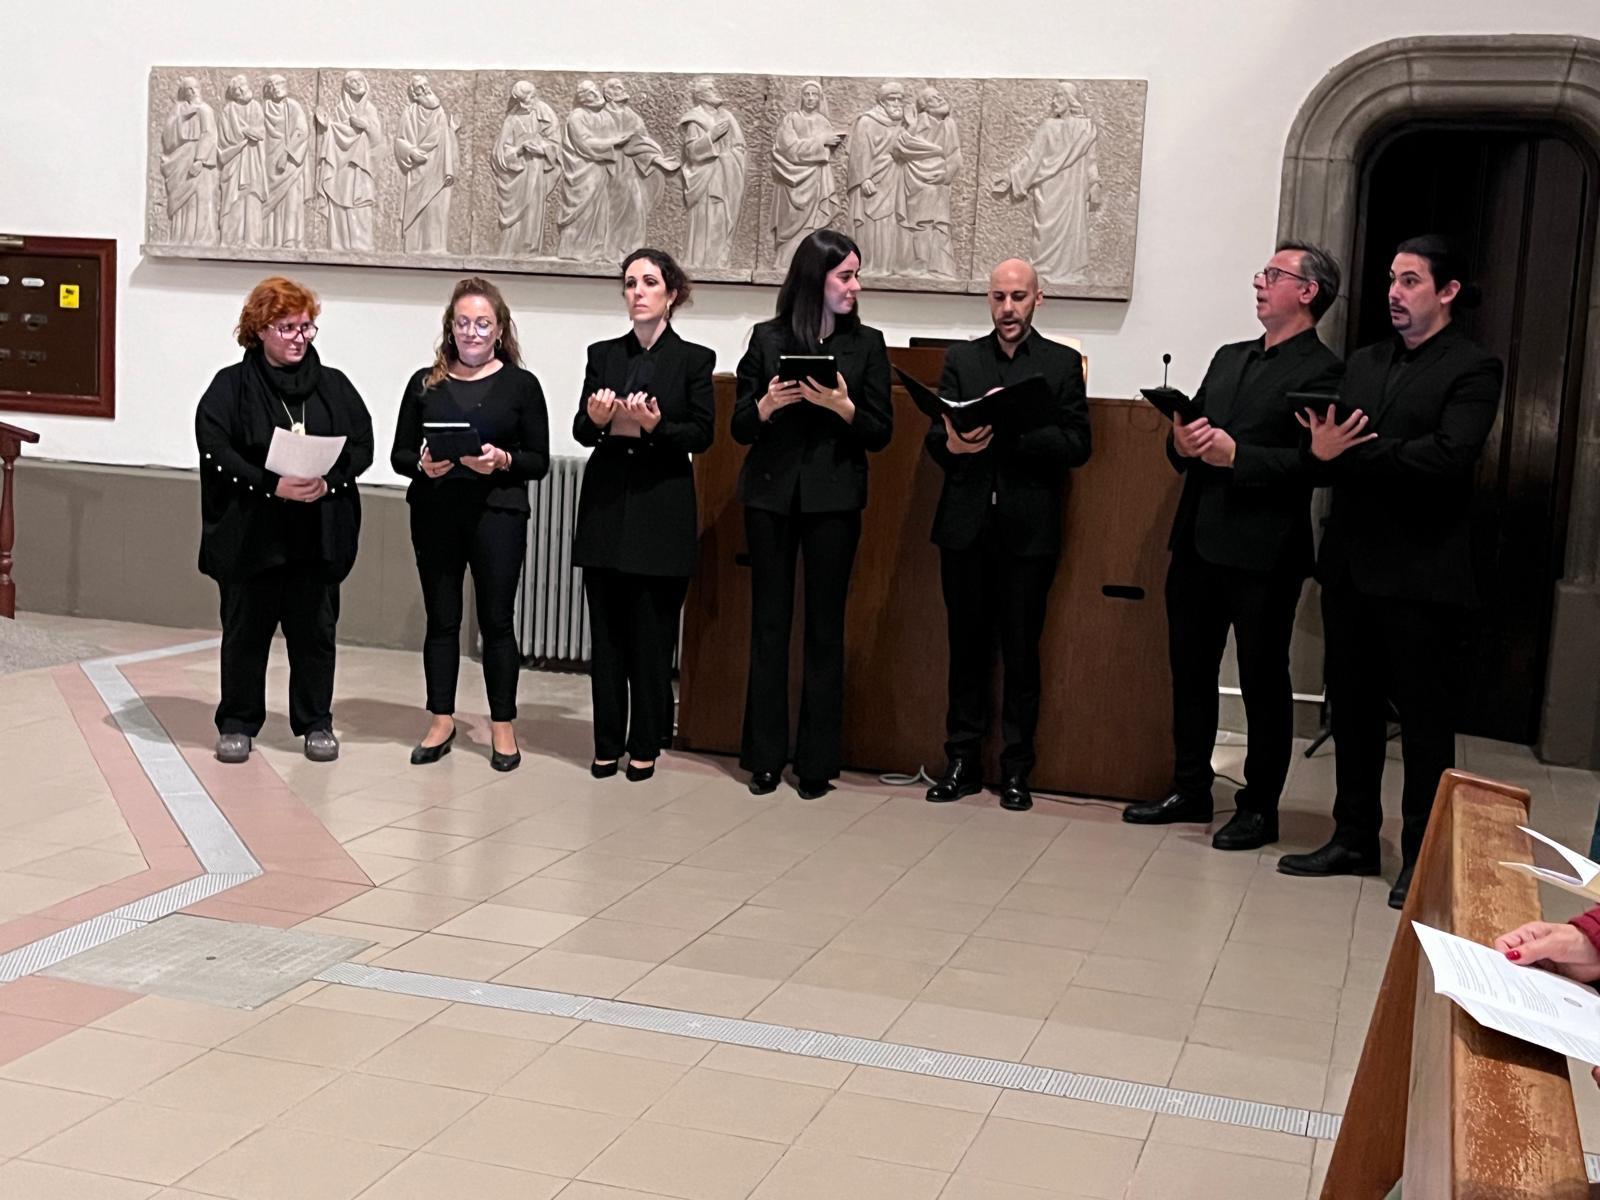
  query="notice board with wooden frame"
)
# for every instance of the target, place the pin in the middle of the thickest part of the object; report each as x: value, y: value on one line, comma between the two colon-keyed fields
x: 58, y: 303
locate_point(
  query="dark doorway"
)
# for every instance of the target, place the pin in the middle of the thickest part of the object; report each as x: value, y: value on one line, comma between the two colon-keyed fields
x: 1519, y: 199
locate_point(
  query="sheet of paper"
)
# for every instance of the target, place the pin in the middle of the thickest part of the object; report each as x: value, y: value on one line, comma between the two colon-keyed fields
x: 1536, y: 1006
x: 1560, y: 867
x: 302, y: 456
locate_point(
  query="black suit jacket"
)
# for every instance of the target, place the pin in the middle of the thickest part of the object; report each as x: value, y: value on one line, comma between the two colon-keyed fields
x: 1399, y: 523
x: 807, y: 453
x: 1020, y: 477
x: 637, y: 509
x: 1255, y: 515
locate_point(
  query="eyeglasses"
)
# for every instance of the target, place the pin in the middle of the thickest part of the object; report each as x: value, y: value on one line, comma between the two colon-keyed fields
x: 1271, y: 275
x: 289, y: 332
x: 484, y: 325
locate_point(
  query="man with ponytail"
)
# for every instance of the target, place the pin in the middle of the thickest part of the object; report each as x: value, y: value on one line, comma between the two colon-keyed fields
x: 1396, y: 561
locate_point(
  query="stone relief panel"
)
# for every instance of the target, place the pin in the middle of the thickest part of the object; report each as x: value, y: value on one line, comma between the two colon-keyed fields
x: 565, y: 172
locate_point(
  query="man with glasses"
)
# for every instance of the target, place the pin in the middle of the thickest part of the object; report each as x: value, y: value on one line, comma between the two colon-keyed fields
x: 1241, y: 546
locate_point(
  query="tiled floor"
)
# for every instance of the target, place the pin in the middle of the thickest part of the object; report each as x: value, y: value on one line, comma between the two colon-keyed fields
x: 1060, y: 938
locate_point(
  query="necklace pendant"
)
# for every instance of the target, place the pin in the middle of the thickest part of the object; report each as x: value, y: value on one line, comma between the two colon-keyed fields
x: 298, y: 427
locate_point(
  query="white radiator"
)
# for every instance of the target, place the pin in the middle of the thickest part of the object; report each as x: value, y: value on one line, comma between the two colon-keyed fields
x: 554, y: 621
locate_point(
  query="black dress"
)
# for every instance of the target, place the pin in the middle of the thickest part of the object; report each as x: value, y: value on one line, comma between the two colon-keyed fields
x: 804, y: 484
x: 637, y: 534
x: 276, y: 561
x: 464, y: 519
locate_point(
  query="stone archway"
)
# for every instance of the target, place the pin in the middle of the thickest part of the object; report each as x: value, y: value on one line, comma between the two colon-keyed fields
x: 1544, y: 77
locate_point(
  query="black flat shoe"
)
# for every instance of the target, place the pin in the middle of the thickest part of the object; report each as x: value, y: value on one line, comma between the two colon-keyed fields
x: 1401, y: 888
x: 640, y: 774
x: 1246, y: 831
x: 763, y: 782
x: 1333, y: 859
x: 422, y: 755
x: 1015, y: 795
x: 505, y: 762
x: 603, y: 770
x: 812, y: 789
x: 962, y: 777
x: 1176, y: 807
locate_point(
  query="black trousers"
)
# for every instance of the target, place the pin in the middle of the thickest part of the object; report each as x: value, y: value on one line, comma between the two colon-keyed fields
x: 989, y: 593
x: 298, y: 597
x: 448, y: 539
x: 775, y: 540
x: 633, y: 627
x: 1381, y: 649
x: 1203, y: 601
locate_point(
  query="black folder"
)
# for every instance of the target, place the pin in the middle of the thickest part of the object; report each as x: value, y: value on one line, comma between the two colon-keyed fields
x: 1172, y: 403
x: 821, y: 369
x: 451, y: 441
x: 1318, y: 403
x: 1024, y: 406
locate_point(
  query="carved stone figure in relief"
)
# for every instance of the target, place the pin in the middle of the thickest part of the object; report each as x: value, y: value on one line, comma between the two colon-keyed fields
x: 189, y: 167
x: 589, y: 141
x: 637, y: 176
x: 427, y: 148
x: 875, y: 183
x: 242, y: 166
x: 523, y: 163
x: 930, y: 151
x: 287, y: 146
x: 1059, y: 174
x: 802, y: 167
x: 346, y: 179
x: 713, y: 157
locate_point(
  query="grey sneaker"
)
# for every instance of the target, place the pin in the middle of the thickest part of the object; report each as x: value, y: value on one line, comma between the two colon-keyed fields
x: 321, y: 745
x: 233, y: 747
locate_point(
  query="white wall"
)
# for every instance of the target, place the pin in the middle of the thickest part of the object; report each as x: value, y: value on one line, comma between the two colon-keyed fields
x: 1225, y: 84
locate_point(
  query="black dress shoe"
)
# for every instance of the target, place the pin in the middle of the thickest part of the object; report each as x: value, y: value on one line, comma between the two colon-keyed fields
x: 1333, y: 859
x: 812, y: 789
x: 763, y: 782
x: 603, y: 770
x: 1246, y: 831
x: 1014, y: 794
x: 640, y: 774
x: 1401, y: 888
x: 505, y: 762
x: 422, y: 755
x: 1176, y: 807
x: 962, y: 777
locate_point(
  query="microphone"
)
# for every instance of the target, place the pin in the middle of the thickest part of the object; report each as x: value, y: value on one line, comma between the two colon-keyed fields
x: 1166, y: 361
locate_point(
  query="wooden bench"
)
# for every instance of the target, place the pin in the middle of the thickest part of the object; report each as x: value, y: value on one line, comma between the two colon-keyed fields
x: 1458, y: 1110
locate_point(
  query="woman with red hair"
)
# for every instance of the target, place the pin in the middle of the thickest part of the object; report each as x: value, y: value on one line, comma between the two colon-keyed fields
x: 278, y: 547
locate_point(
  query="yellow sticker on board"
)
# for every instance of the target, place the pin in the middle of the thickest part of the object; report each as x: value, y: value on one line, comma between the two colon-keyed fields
x: 69, y: 295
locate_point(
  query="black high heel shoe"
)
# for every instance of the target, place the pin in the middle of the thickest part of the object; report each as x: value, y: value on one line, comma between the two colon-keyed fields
x: 422, y: 755
x: 504, y: 762
x: 603, y: 770
x: 640, y: 774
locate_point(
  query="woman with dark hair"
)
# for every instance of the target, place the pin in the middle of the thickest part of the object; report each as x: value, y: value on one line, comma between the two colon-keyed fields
x: 471, y: 509
x: 277, y: 547
x: 646, y: 406
x: 804, y: 484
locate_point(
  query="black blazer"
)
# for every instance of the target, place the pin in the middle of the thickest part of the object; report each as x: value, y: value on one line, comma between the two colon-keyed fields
x: 511, y: 417
x: 1255, y: 515
x: 1399, y: 523
x: 245, y: 528
x: 1019, y: 477
x: 805, y: 453
x: 637, y: 508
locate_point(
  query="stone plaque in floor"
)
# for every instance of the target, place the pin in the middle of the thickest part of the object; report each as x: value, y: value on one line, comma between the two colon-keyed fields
x: 226, y: 963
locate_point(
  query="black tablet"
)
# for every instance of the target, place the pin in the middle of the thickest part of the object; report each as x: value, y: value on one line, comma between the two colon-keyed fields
x: 451, y: 441
x: 1318, y: 403
x: 1172, y: 403
x: 820, y: 369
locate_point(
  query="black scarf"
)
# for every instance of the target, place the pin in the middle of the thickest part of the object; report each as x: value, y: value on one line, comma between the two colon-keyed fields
x: 270, y: 388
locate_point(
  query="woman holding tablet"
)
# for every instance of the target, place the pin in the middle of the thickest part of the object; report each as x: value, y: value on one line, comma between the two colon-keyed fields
x: 809, y: 426
x: 469, y: 503
x: 646, y: 406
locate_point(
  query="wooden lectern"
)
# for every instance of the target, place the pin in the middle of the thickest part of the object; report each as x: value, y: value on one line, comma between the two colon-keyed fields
x: 11, y: 440
x: 1106, y: 720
